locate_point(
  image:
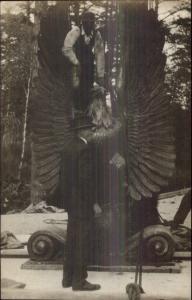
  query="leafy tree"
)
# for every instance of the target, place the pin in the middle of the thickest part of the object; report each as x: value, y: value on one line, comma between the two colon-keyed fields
x: 178, y: 69
x: 178, y: 80
x: 17, y: 74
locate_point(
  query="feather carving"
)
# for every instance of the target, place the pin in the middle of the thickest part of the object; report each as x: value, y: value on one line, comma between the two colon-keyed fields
x: 150, y: 152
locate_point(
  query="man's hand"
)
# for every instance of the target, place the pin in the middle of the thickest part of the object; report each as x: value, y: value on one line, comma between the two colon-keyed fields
x: 97, y: 209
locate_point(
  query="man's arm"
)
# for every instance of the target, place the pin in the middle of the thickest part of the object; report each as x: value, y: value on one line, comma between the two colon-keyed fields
x: 69, y: 42
x: 99, y: 57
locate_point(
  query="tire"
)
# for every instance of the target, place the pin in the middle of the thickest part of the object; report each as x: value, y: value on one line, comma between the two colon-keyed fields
x: 42, y: 247
x: 159, y: 248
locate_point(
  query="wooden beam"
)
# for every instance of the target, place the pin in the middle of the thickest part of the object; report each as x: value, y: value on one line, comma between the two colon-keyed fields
x: 165, y: 268
x: 183, y: 255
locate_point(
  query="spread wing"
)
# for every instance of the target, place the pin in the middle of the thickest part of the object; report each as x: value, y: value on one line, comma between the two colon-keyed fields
x: 150, y: 149
x: 51, y: 101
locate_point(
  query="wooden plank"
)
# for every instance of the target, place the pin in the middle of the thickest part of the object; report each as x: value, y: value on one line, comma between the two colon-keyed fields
x: 23, y: 253
x: 170, y: 268
x: 184, y: 255
x: 14, y: 253
x: 146, y: 269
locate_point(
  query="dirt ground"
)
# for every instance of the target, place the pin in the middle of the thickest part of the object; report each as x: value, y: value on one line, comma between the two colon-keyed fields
x: 42, y: 284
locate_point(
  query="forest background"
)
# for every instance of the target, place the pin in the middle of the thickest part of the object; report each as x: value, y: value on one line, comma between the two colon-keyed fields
x: 19, y: 29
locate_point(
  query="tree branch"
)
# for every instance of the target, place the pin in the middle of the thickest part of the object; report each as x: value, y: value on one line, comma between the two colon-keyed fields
x: 25, y: 122
x: 173, y: 12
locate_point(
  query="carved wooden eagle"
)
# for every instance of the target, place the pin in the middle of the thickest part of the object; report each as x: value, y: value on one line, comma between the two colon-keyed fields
x: 146, y: 134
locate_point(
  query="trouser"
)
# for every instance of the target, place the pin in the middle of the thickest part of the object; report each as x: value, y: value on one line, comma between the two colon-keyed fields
x: 77, y: 250
x: 80, y: 218
x: 82, y: 94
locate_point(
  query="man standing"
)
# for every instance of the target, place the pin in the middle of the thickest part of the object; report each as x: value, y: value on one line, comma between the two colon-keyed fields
x: 82, y: 47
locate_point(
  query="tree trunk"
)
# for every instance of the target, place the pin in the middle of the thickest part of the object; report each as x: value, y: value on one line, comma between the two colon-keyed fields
x: 40, y: 9
x: 27, y: 90
x: 76, y: 10
x: 156, y: 6
x: 25, y: 124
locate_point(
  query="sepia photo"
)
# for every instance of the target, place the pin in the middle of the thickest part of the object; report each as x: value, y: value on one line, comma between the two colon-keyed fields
x: 96, y: 149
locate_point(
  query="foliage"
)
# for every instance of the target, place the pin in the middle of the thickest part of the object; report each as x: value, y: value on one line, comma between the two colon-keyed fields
x: 16, y: 63
x: 178, y: 82
x: 178, y: 69
x: 15, y: 195
x: 16, y: 57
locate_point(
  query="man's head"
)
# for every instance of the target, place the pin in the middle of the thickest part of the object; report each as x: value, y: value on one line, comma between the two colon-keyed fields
x: 88, y: 22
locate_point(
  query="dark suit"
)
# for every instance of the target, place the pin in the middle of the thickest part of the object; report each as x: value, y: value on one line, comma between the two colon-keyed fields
x: 80, y: 215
